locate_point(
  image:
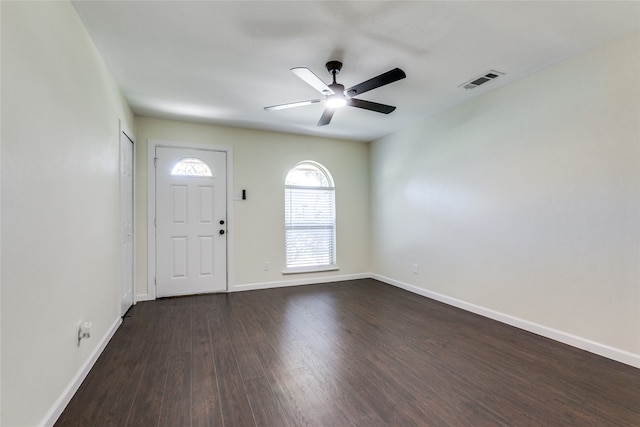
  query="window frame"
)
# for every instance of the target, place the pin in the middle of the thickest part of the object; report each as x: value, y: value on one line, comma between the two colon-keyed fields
x: 288, y: 188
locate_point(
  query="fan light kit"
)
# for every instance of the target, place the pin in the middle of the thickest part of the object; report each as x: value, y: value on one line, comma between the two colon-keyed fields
x: 336, y: 96
x: 335, y: 101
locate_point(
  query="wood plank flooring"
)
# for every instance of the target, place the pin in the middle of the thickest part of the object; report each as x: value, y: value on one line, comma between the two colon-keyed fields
x: 357, y: 353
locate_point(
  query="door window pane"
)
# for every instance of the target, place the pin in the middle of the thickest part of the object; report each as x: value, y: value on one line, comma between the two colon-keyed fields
x: 191, y: 167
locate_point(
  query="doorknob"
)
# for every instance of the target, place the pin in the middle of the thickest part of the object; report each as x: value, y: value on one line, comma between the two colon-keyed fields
x: 221, y: 232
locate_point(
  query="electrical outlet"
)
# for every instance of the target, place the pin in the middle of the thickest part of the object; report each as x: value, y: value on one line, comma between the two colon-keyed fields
x: 267, y: 266
x: 84, y: 331
x: 416, y: 269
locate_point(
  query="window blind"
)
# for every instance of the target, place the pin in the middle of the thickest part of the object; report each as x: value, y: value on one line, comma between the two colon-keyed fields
x: 310, y: 226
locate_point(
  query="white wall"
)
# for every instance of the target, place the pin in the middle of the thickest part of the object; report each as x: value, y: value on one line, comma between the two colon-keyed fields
x: 525, y: 201
x: 261, y: 163
x: 60, y: 203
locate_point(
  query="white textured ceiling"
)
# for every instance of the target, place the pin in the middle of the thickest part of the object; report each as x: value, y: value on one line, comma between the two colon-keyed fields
x: 221, y: 62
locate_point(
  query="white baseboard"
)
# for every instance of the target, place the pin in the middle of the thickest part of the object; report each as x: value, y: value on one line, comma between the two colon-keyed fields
x: 298, y: 282
x: 54, y: 413
x: 144, y: 297
x: 600, y: 349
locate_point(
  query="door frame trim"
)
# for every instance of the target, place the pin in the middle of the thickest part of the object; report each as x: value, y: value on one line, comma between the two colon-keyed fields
x: 152, y: 144
x: 124, y: 130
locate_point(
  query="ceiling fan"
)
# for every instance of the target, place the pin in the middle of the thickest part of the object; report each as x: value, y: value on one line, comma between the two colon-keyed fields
x: 336, y: 96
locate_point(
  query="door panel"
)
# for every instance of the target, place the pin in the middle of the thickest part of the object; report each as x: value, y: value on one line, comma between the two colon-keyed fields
x: 190, y: 248
x: 206, y: 256
x: 178, y: 257
x: 178, y: 204
x: 205, y: 204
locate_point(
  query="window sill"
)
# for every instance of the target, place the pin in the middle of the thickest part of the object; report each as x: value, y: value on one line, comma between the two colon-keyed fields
x: 314, y: 269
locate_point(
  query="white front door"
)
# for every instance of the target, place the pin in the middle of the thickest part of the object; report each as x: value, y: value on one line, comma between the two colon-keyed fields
x: 191, y: 216
x: 126, y: 221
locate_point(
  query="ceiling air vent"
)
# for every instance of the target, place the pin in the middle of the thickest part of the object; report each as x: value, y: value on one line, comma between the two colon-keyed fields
x: 480, y: 80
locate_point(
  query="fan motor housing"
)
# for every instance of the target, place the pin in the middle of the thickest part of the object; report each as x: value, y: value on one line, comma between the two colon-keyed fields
x: 337, y: 88
x: 334, y: 67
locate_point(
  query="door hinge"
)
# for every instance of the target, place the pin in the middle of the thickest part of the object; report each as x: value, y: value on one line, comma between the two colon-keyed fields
x: 155, y: 162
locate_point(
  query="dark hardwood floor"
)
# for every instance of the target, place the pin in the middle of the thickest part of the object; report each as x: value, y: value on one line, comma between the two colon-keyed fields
x: 358, y: 353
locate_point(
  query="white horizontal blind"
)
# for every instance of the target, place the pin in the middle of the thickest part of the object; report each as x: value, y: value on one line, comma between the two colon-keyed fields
x: 310, y: 226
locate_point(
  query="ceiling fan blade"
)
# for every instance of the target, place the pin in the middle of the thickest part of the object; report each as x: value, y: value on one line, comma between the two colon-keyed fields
x: 381, y: 80
x: 292, y: 105
x: 312, y: 80
x: 326, y: 116
x: 373, y: 106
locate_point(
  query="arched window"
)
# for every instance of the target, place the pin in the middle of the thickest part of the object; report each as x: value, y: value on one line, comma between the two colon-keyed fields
x: 191, y: 167
x: 310, y: 218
